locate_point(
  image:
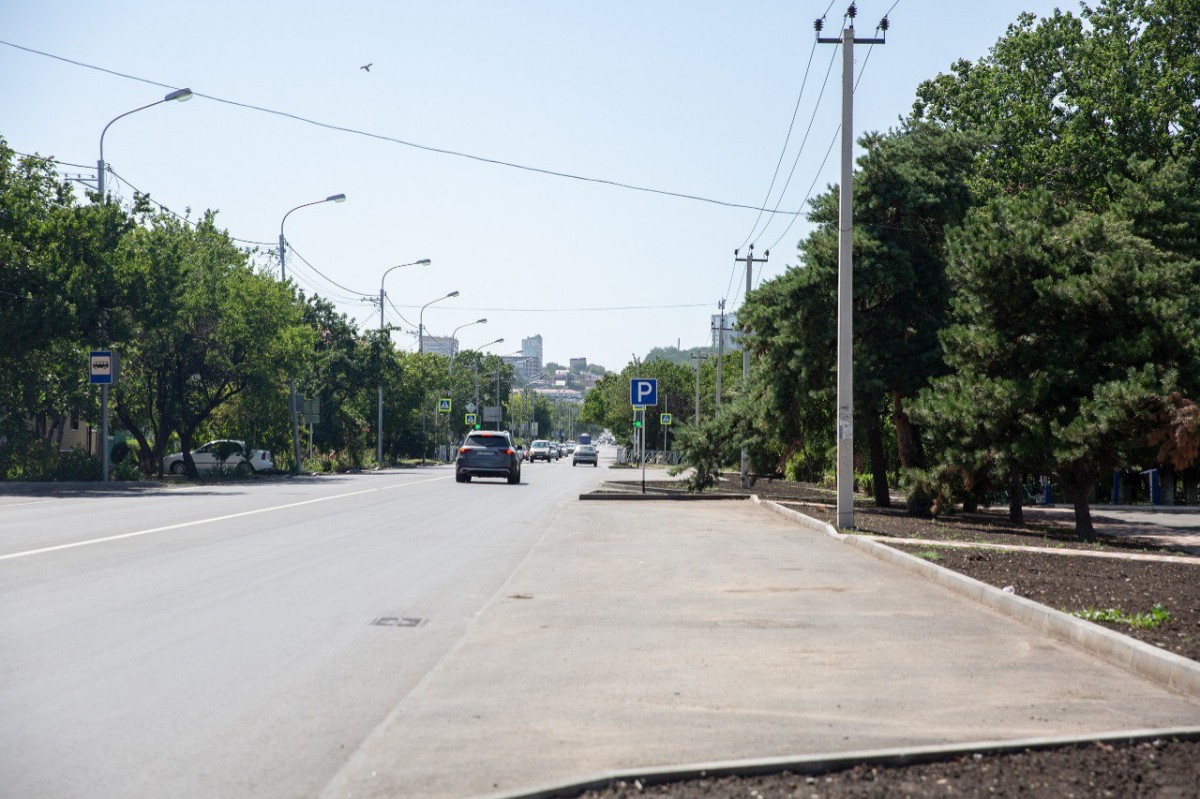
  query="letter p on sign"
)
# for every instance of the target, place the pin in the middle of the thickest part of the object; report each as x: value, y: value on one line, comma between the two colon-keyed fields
x: 643, y: 391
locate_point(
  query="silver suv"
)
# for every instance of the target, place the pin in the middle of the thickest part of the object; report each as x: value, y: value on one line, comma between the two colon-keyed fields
x: 487, y: 453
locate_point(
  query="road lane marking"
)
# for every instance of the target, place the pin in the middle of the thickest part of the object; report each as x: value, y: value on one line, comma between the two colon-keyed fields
x: 196, y: 522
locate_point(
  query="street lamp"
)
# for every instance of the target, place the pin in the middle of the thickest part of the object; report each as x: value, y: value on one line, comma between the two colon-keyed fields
x: 499, y: 369
x: 181, y: 95
x: 292, y: 409
x: 421, y: 320
x: 450, y: 375
x: 379, y: 427
x: 480, y: 349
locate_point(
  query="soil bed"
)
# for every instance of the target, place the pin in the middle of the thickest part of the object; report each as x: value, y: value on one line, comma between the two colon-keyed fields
x: 1074, y: 583
x: 1157, y: 769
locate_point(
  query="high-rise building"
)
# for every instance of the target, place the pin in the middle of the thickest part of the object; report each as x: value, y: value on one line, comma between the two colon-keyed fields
x: 440, y: 345
x: 532, y: 348
x: 578, y: 364
x: 525, y: 369
x: 726, y: 325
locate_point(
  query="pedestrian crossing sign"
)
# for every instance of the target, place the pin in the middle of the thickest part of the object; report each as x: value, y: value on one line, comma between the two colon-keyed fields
x: 664, y: 418
x: 443, y: 406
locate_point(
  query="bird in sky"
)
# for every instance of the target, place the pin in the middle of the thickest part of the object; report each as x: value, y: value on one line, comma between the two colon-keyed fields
x: 367, y: 67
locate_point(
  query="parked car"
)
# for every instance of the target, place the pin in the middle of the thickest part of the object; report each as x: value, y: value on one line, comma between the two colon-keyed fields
x: 585, y: 453
x: 487, y: 453
x: 223, y: 454
x: 539, y: 450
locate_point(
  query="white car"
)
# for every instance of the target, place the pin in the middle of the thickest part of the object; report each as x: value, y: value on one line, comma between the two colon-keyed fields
x: 223, y: 454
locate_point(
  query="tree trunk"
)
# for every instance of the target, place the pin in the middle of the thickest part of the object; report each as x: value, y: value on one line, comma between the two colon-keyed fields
x: 970, y: 503
x: 912, y: 456
x: 1016, y: 514
x: 1081, y: 484
x: 879, y: 478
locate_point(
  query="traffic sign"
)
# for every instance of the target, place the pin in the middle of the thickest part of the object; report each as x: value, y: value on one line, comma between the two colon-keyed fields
x: 469, y: 419
x: 471, y: 407
x: 443, y: 406
x: 105, y: 367
x: 643, y: 391
x: 639, y: 408
x: 664, y: 418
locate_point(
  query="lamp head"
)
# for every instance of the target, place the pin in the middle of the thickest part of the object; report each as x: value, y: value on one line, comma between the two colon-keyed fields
x: 336, y: 198
x: 480, y: 321
x: 422, y: 262
x: 452, y: 294
x: 182, y: 95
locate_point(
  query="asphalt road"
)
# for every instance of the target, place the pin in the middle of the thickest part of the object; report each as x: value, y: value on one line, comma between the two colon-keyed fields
x: 240, y: 640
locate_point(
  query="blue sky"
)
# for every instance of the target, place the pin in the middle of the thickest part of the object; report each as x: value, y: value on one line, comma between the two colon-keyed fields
x: 694, y: 98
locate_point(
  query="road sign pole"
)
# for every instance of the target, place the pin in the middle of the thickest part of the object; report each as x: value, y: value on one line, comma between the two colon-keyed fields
x: 104, y: 464
x: 643, y: 429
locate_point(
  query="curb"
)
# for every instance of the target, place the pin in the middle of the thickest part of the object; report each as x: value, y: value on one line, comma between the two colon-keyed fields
x: 628, y: 495
x: 77, y: 485
x: 823, y: 764
x: 1166, y: 668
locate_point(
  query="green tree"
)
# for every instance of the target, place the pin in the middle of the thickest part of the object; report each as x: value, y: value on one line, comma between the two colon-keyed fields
x: 1066, y: 338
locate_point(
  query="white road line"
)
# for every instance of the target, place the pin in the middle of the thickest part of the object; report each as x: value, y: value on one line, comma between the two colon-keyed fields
x: 181, y: 525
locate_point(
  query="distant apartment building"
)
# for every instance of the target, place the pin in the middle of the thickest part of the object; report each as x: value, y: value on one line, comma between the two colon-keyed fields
x: 532, y: 348
x: 578, y: 364
x: 440, y: 345
x: 726, y: 325
x: 525, y: 369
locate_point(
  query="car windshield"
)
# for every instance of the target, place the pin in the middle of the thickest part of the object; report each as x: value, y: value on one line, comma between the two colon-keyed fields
x: 541, y: 445
x: 494, y: 442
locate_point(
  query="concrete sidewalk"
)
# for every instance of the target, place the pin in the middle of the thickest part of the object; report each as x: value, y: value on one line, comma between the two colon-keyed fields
x: 639, y: 635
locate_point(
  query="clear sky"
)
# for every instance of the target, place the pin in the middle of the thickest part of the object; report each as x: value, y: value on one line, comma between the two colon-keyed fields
x: 688, y: 97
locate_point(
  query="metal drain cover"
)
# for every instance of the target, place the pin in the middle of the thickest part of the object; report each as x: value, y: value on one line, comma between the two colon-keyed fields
x: 397, y: 621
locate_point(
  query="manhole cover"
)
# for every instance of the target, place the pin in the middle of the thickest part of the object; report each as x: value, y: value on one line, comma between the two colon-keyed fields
x: 397, y: 621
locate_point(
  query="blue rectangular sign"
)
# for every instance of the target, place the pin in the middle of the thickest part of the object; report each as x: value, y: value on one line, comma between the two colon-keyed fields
x: 643, y: 391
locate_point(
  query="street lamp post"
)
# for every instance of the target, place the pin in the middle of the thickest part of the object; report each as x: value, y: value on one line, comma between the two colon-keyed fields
x: 477, y: 360
x: 450, y: 377
x: 181, y: 95
x: 379, y: 426
x: 499, y: 369
x: 421, y: 319
x: 421, y: 349
x: 293, y: 410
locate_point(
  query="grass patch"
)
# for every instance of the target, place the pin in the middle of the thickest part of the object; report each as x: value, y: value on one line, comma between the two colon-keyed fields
x: 931, y: 555
x: 1144, y: 621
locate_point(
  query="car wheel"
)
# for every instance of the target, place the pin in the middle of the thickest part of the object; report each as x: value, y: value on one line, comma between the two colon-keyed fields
x: 462, y: 478
x: 177, y: 468
x: 513, y: 479
x: 595, y: 463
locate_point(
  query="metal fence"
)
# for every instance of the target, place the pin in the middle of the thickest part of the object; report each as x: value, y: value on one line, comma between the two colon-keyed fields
x: 666, y: 457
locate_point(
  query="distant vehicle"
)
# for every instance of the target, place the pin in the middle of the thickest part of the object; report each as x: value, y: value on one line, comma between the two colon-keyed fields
x: 555, y: 450
x: 522, y: 453
x: 585, y: 438
x: 223, y: 454
x: 487, y: 453
x: 569, y: 447
x: 585, y: 453
x: 539, y: 450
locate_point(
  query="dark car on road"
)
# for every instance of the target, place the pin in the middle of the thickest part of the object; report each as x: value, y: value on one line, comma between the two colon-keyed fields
x: 487, y: 453
x: 585, y: 453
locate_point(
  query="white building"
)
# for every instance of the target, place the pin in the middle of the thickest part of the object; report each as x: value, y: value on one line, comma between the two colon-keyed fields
x: 526, y: 369
x: 727, y: 323
x: 440, y: 345
x: 532, y: 348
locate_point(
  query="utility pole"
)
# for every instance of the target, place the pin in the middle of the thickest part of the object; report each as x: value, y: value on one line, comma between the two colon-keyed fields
x: 720, y: 349
x: 750, y: 261
x: 699, y: 359
x: 845, y: 324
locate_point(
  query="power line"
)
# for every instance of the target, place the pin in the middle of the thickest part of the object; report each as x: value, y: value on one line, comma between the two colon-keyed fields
x: 405, y: 143
x: 577, y: 310
x: 328, y: 279
x: 786, y: 140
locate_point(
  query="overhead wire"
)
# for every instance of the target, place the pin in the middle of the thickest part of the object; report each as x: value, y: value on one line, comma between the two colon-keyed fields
x: 357, y: 294
x: 404, y: 142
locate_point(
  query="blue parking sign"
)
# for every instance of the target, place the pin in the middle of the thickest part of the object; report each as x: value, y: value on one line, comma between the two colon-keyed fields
x: 643, y: 391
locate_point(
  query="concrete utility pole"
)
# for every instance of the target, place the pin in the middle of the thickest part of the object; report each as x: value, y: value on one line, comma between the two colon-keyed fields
x: 720, y: 349
x: 750, y: 261
x: 845, y: 325
x: 698, y: 358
